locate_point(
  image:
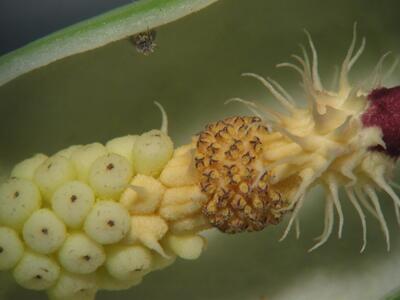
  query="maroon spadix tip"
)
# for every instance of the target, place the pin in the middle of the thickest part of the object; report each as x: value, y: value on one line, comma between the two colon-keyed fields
x: 384, y: 112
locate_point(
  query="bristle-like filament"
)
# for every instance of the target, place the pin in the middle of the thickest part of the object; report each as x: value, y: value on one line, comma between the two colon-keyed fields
x: 294, y: 216
x: 277, y: 94
x: 328, y: 223
x: 353, y: 200
x: 375, y: 200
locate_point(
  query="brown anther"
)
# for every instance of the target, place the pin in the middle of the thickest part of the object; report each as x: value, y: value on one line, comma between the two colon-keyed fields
x: 16, y: 194
x: 262, y: 129
x: 199, y: 162
x: 235, y: 179
x: 264, y: 177
x: 110, y: 166
x: 210, y: 209
x: 45, y: 231
x: 228, y: 157
x: 262, y: 185
x: 249, y: 174
x: 238, y: 121
x: 235, y: 169
x: 208, y: 188
x: 244, y: 188
x: 257, y: 202
x: 256, y: 144
x: 211, y: 175
x: 248, y: 209
x: 255, y: 119
x: 212, y: 162
x: 110, y: 223
x: 73, y: 198
x: 234, y: 147
x: 247, y: 158
x: 200, y: 142
x: 222, y: 202
x: 38, y: 276
x: 226, y: 213
x: 238, y: 202
x: 228, y: 169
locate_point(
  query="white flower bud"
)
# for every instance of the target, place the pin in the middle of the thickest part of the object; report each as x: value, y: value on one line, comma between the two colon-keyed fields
x: 151, y: 152
x: 186, y: 246
x: 107, y: 223
x: 67, y: 153
x: 79, y: 254
x: 110, y: 175
x: 52, y: 173
x: 11, y: 248
x: 26, y: 168
x: 44, y: 232
x: 19, y: 198
x: 148, y: 230
x: 128, y: 262
x: 74, y: 287
x: 72, y: 202
x: 143, y: 196
x: 84, y: 157
x: 106, y: 282
x: 36, y: 272
x: 122, y: 146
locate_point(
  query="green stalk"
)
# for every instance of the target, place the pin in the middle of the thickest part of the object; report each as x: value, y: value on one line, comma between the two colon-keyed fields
x: 95, y: 32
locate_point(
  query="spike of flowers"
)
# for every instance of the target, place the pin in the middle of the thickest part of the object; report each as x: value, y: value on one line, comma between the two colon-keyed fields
x: 99, y: 216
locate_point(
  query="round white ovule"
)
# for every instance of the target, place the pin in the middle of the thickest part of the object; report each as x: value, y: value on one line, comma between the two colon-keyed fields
x: 122, y: 146
x: 106, y: 282
x: 84, y: 157
x: 26, y: 168
x: 67, y: 152
x: 52, y: 173
x: 79, y: 254
x: 36, y: 272
x: 128, y: 262
x: 19, y: 198
x: 11, y: 248
x: 151, y: 151
x: 44, y: 232
x: 107, y: 223
x: 72, y: 202
x: 110, y: 175
x: 74, y: 287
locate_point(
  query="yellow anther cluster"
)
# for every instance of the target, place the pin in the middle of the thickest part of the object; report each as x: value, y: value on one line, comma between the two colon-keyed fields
x: 234, y: 178
x: 100, y: 216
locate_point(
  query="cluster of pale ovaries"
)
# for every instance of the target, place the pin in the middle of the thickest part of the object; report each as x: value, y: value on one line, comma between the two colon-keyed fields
x: 100, y: 217
x: 326, y: 143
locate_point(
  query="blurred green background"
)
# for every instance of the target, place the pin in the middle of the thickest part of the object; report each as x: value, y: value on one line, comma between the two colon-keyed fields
x: 109, y: 92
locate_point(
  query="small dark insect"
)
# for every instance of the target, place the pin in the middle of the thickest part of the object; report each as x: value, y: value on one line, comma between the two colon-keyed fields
x: 144, y: 42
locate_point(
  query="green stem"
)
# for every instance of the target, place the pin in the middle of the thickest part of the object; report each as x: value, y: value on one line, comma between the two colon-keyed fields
x: 96, y: 32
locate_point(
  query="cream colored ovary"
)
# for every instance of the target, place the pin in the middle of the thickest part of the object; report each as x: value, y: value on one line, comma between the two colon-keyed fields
x: 100, y: 217
x: 326, y: 143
